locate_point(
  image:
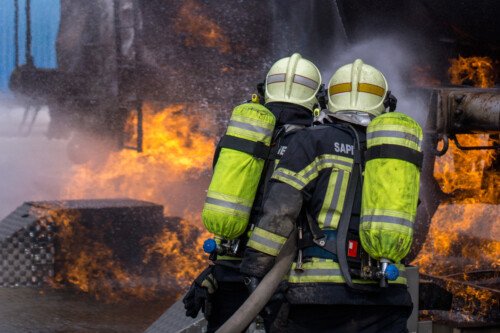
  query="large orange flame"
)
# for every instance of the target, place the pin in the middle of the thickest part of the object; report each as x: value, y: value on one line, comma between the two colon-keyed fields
x: 464, y: 235
x: 175, y: 153
x: 480, y: 71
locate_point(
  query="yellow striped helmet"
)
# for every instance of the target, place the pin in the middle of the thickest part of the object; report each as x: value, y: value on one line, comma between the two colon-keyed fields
x: 357, y: 87
x: 293, y: 80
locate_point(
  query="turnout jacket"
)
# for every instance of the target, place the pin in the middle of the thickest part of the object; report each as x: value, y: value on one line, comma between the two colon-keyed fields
x: 310, y: 182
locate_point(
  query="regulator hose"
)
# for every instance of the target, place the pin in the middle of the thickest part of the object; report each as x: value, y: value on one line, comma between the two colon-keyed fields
x: 259, y: 298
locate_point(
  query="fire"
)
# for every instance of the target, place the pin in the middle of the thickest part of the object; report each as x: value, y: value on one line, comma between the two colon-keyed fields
x: 176, y: 152
x: 480, y: 71
x: 199, y: 29
x: 465, y: 232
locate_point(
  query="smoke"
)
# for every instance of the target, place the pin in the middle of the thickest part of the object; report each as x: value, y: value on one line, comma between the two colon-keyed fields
x: 32, y: 167
x: 394, y: 59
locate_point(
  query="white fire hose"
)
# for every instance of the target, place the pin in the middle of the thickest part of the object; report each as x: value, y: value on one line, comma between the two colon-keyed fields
x: 259, y: 298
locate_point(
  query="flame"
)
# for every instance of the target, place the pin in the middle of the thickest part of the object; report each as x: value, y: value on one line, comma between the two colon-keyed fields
x: 176, y: 151
x: 480, y: 71
x: 199, y: 29
x: 465, y: 231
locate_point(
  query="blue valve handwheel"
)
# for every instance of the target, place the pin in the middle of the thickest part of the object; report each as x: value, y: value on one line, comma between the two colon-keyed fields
x: 391, y: 272
x: 209, y: 245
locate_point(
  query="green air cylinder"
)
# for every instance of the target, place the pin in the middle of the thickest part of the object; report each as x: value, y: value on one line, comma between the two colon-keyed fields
x: 390, y: 186
x: 231, y: 193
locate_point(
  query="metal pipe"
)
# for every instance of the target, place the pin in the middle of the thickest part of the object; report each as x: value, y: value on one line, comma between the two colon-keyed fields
x: 29, y: 58
x: 475, y: 112
x: 16, y: 31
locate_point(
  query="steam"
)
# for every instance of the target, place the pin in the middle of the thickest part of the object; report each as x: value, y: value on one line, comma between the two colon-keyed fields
x: 394, y: 59
x: 31, y: 166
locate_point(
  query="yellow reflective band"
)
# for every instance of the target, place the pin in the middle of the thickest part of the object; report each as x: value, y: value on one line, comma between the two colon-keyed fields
x: 387, y: 219
x: 253, y: 121
x: 371, y: 89
x: 328, y: 271
x: 393, y: 134
x: 331, y: 210
x: 325, y: 161
x: 290, y: 178
x: 250, y: 129
x: 388, y: 212
x: 371, y: 226
x: 265, y: 241
x: 340, y: 88
x: 228, y: 204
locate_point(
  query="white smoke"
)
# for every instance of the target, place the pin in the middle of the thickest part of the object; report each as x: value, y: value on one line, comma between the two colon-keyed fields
x: 32, y: 167
x: 394, y: 59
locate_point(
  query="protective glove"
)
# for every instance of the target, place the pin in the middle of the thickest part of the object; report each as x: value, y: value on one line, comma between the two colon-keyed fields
x: 199, y: 294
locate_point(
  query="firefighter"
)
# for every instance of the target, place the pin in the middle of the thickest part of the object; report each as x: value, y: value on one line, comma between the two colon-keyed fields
x: 308, y: 193
x: 291, y: 89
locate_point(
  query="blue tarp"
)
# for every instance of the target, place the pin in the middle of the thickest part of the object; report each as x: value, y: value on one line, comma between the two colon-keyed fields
x: 45, y: 16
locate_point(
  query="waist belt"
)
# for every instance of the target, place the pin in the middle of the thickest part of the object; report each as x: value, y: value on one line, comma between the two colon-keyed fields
x: 309, y: 249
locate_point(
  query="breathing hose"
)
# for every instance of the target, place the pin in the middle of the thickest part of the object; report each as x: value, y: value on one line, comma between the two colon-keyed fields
x: 259, y: 298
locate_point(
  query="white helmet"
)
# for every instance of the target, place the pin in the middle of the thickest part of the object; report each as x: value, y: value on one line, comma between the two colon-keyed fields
x: 293, y: 80
x: 357, y: 87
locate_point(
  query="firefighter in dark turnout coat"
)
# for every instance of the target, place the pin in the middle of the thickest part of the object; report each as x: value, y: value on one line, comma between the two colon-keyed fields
x: 290, y: 94
x: 308, y: 191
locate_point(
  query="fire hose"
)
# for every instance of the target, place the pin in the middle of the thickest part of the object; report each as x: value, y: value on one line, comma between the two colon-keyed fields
x: 259, y: 298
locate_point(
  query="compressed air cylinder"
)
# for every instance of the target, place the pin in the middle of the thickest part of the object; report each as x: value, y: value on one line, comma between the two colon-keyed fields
x: 390, y: 186
x: 237, y: 173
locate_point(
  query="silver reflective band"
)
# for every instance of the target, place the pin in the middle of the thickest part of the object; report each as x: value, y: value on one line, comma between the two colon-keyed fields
x: 275, y: 78
x: 293, y: 179
x: 227, y: 204
x: 326, y: 161
x: 317, y: 272
x: 394, y: 134
x: 305, y: 81
x: 387, y: 219
x: 266, y: 242
x: 252, y: 128
x: 335, y: 199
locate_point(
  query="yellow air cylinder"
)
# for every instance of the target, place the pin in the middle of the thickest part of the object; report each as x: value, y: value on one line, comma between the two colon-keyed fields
x: 390, y: 186
x: 237, y: 172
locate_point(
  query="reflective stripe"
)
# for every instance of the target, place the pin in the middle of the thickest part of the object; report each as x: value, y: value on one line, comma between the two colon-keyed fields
x: 394, y: 134
x: 305, y: 81
x: 228, y: 204
x: 266, y: 241
x: 328, y: 271
x: 287, y: 177
x: 387, y: 219
x: 340, y: 88
x: 329, y: 214
x: 325, y: 161
x: 249, y: 127
x: 371, y: 89
x: 275, y: 78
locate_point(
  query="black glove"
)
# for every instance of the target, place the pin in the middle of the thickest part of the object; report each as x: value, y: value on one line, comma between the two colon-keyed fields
x: 199, y: 295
